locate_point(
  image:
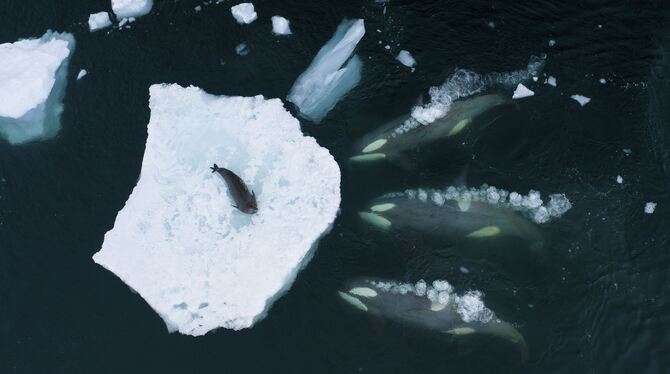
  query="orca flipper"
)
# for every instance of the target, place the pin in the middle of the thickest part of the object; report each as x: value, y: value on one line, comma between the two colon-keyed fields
x: 214, y: 168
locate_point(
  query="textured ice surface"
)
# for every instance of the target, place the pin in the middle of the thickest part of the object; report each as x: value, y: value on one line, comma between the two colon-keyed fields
x: 281, y: 26
x: 99, y: 21
x: 531, y: 205
x: 332, y: 73
x: 582, y: 100
x: 649, y: 207
x: 131, y: 8
x: 406, y: 58
x: 33, y: 76
x: 244, y: 13
x: 464, y: 83
x: 469, y: 306
x: 521, y: 92
x: 197, y: 261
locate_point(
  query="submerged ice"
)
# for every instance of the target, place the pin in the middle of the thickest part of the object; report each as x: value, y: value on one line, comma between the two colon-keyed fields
x: 332, y: 73
x: 197, y: 261
x: 33, y: 76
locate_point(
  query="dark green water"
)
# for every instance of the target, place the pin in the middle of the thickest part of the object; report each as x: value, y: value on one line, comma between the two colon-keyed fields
x: 596, y: 304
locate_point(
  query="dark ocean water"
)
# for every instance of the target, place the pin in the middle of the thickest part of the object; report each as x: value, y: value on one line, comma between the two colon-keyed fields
x: 597, y: 303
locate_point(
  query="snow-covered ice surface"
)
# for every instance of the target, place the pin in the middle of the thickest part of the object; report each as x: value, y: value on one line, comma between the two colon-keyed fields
x: 97, y: 21
x: 281, y: 26
x: 521, y: 92
x: 197, y: 261
x: 82, y: 73
x: 406, y: 58
x: 33, y: 76
x: 131, y: 8
x: 464, y: 83
x: 530, y: 205
x: 582, y: 100
x: 332, y: 73
x: 649, y: 207
x: 244, y: 13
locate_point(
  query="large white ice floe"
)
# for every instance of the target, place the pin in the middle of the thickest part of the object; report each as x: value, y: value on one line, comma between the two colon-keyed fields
x: 464, y: 83
x: 197, y: 261
x: 33, y: 76
x: 244, y: 13
x: 131, y: 8
x: 332, y: 73
x: 97, y: 21
x: 406, y: 58
x: 281, y: 26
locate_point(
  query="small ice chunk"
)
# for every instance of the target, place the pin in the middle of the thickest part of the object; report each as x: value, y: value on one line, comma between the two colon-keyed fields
x: 521, y: 92
x: 180, y: 243
x: 582, y: 100
x: 602, y: 81
x: 464, y: 270
x: 244, y: 13
x: 198, y: 8
x: 242, y: 49
x: 131, y: 8
x: 387, y: 47
x: 123, y: 22
x: 491, y: 24
x: 332, y: 73
x: 33, y: 76
x: 281, y: 26
x: 406, y: 58
x: 619, y: 179
x: 97, y: 21
x: 552, y: 42
x: 627, y: 151
x: 649, y: 207
x: 82, y: 73
x: 551, y: 81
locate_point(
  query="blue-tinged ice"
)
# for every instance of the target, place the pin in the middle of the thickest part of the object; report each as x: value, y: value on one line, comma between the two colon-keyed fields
x: 33, y: 76
x: 332, y: 73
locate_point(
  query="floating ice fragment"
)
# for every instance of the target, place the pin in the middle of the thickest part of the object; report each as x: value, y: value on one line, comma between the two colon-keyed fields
x: 552, y: 42
x: 551, y: 81
x: 464, y: 270
x: 179, y: 242
x: 198, y: 8
x: 406, y: 58
x: 131, y: 8
x: 33, y: 76
x: 82, y: 73
x: 97, y: 21
x: 491, y: 24
x: 242, y: 49
x: 281, y: 26
x: 332, y: 73
x: 619, y: 179
x: 602, y: 81
x: 521, y: 92
x: 627, y: 151
x: 582, y: 100
x: 649, y: 207
x: 244, y: 13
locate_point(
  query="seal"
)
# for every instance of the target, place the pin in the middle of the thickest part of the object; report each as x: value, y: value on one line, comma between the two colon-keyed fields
x: 245, y: 200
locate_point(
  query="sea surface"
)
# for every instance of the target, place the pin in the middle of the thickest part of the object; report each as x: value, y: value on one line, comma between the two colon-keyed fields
x: 598, y: 302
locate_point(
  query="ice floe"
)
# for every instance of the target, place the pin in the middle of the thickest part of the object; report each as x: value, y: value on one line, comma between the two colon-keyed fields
x: 196, y: 260
x: 281, y: 26
x: 244, y: 13
x: 131, y: 8
x: 649, y: 207
x: 97, y: 21
x: 619, y: 179
x: 464, y: 83
x: 332, y: 73
x: 242, y: 49
x: 582, y: 100
x: 406, y: 58
x: 82, y: 73
x: 521, y: 92
x: 33, y: 76
x: 551, y: 81
x: 530, y: 205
